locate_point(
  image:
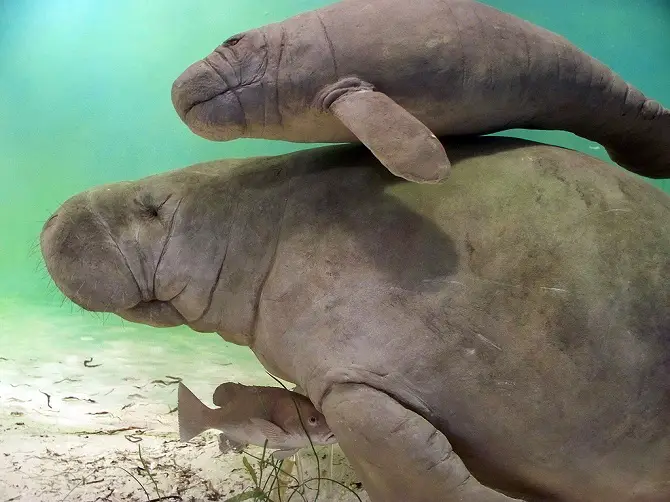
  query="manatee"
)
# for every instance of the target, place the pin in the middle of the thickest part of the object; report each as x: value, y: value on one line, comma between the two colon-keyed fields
x: 502, y: 336
x: 393, y: 74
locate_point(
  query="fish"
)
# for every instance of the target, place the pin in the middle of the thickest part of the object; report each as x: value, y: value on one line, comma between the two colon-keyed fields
x: 247, y: 414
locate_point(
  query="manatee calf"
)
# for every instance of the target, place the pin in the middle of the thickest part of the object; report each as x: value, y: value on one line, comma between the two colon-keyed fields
x: 503, y: 335
x: 392, y: 74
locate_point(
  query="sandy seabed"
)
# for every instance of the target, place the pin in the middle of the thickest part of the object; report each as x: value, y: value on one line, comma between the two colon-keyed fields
x: 87, y: 413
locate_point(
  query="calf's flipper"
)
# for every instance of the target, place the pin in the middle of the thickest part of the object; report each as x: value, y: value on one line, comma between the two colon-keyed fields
x: 401, y: 142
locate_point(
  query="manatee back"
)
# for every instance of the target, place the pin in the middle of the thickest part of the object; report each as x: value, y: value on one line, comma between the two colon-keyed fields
x: 564, y: 262
x: 522, y: 306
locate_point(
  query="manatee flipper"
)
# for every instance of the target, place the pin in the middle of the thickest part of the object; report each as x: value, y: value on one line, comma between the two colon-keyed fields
x: 399, y: 455
x: 639, y: 141
x: 398, y: 139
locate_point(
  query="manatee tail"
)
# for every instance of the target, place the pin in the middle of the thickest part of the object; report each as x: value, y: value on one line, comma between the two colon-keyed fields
x: 634, y: 130
x: 193, y: 415
x: 644, y: 148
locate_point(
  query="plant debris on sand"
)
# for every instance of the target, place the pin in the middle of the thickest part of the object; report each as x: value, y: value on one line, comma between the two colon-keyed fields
x: 87, y: 443
x: 108, y: 467
x: 87, y: 414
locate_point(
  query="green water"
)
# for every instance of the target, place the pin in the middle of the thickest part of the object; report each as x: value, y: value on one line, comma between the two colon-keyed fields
x: 85, y: 99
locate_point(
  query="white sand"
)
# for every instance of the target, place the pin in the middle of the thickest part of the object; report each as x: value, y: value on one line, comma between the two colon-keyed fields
x: 71, y: 432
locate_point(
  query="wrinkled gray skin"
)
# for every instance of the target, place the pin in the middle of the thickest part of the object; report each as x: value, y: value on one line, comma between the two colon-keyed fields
x: 519, y: 314
x: 458, y: 66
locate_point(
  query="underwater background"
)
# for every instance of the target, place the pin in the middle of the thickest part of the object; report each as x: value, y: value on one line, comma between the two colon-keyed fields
x: 85, y: 94
x: 85, y: 100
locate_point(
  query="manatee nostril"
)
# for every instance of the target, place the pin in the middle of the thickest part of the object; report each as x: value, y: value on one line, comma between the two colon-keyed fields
x: 50, y: 221
x: 85, y: 262
x: 207, y: 98
x: 231, y: 41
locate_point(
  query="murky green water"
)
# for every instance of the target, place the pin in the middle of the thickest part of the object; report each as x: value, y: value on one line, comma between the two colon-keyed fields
x: 85, y: 99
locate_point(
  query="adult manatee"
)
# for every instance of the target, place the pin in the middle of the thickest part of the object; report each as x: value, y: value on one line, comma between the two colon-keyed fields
x: 391, y: 73
x: 506, y: 334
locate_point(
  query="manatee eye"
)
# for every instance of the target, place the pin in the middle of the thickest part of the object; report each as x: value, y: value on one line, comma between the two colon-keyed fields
x: 313, y: 420
x: 148, y: 206
x: 152, y: 211
x: 232, y: 40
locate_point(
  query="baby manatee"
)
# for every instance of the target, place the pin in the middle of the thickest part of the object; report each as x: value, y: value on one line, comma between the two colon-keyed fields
x: 395, y: 75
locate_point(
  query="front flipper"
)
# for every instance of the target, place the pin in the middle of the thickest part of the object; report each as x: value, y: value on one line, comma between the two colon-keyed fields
x: 398, y: 454
x: 398, y: 139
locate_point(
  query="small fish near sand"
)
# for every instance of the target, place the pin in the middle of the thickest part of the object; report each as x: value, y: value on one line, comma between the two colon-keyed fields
x: 252, y: 415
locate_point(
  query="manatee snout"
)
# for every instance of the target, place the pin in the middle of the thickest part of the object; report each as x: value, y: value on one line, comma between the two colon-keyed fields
x: 224, y: 96
x: 107, y: 250
x: 207, y: 105
x: 84, y: 261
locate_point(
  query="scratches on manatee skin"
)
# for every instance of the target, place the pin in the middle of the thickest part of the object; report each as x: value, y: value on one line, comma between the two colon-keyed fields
x: 398, y: 427
x: 459, y: 37
x: 170, y: 233
x: 215, y: 284
x: 488, y: 341
x: 282, y: 45
x: 558, y: 290
x: 614, y: 210
x: 330, y: 45
x: 273, y: 258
